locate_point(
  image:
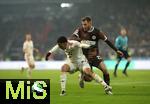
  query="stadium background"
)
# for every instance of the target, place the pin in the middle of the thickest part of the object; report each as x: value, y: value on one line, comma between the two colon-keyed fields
x: 46, y: 20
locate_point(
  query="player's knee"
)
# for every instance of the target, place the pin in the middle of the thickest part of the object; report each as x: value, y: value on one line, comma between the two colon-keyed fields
x: 118, y: 62
x: 129, y: 58
x: 104, y: 70
x: 65, y: 68
x: 87, y: 71
x: 32, y: 66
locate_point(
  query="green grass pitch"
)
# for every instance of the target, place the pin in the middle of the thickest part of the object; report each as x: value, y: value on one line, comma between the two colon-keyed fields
x: 134, y: 89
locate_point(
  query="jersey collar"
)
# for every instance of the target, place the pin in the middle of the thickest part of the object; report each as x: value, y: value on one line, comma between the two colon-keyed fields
x: 91, y: 29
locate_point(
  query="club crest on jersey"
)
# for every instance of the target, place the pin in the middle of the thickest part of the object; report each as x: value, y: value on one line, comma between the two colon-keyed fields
x: 93, y: 37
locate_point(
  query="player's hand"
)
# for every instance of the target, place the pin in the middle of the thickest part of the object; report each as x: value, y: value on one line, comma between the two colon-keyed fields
x: 47, y: 56
x: 37, y: 51
x: 120, y: 53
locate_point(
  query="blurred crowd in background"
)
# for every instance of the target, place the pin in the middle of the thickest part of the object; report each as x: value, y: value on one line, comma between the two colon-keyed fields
x: 46, y: 20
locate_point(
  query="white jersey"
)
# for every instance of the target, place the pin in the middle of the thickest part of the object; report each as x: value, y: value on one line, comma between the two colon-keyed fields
x: 28, y: 48
x: 74, y: 50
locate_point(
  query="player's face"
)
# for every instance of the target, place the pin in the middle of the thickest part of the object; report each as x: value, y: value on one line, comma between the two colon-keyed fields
x: 63, y: 46
x: 86, y: 25
x: 28, y: 37
x: 123, y: 32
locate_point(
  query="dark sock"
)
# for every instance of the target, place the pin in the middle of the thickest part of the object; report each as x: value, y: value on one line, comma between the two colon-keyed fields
x: 127, y: 64
x: 106, y: 78
x: 116, y: 68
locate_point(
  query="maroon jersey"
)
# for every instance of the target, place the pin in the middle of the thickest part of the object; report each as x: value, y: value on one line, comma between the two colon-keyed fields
x: 89, y: 37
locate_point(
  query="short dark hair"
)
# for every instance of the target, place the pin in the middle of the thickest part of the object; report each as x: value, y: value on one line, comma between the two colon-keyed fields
x: 62, y: 39
x: 86, y: 18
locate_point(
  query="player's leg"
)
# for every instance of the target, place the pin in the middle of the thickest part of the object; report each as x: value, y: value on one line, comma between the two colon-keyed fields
x: 81, y: 79
x: 23, y: 68
x: 87, y: 70
x: 84, y: 62
x: 106, y: 76
x: 29, y: 71
x: 31, y: 65
x: 98, y: 62
x: 116, y: 66
x: 87, y: 78
x: 63, y: 78
x: 127, y: 64
x: 99, y: 80
x: 67, y: 67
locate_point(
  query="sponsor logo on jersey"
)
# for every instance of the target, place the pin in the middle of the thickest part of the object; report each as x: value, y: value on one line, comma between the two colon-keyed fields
x: 88, y: 42
x: 93, y: 37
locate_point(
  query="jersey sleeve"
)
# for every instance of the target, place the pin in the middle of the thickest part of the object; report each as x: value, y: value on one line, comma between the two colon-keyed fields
x: 24, y: 46
x: 54, y: 50
x: 81, y: 45
x: 76, y: 32
x: 75, y: 35
x: 102, y: 35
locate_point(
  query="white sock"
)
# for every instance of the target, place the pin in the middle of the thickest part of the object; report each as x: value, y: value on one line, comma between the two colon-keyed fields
x: 79, y: 76
x: 25, y: 68
x: 98, y: 79
x: 29, y: 71
x: 63, y: 79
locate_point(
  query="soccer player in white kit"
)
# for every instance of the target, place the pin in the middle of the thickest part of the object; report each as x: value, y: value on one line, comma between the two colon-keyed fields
x: 76, y: 61
x: 28, y: 49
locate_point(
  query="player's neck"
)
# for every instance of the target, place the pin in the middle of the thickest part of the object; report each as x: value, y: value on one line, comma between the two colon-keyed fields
x: 90, y: 29
x: 28, y: 40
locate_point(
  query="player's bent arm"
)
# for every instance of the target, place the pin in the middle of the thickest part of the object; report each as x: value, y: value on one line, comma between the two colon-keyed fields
x: 74, y: 37
x: 53, y: 50
x: 111, y: 45
x: 24, y: 48
x: 114, y: 48
x: 36, y: 50
x: 102, y: 35
x: 83, y: 45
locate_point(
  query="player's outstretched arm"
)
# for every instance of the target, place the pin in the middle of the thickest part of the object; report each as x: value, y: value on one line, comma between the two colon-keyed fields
x: 102, y: 35
x: 83, y: 45
x: 114, y: 48
x: 80, y: 44
x: 53, y: 50
x: 47, y: 56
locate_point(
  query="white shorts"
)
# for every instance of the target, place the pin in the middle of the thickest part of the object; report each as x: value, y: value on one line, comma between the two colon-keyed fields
x: 29, y: 59
x: 79, y: 65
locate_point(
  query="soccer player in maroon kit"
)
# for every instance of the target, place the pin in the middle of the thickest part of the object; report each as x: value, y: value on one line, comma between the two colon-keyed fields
x: 90, y: 35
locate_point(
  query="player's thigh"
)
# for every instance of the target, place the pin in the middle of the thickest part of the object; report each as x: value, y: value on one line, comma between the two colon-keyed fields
x: 69, y: 67
x: 30, y: 61
x: 98, y: 62
x: 103, y: 67
x: 129, y: 58
x: 85, y: 67
x: 95, y: 61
